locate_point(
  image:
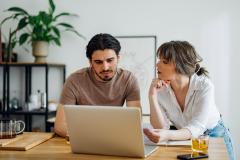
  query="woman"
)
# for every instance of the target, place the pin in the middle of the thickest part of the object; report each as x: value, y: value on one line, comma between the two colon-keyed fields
x: 183, y: 95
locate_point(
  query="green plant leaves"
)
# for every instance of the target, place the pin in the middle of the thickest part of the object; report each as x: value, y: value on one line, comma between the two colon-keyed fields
x: 76, y: 32
x: 22, y: 23
x: 52, y: 7
x: 23, y: 38
x: 57, y: 41
x: 45, y: 19
x: 4, y: 20
x: 43, y: 26
x: 65, y: 25
x: 17, y: 9
x: 56, y: 31
x: 61, y: 14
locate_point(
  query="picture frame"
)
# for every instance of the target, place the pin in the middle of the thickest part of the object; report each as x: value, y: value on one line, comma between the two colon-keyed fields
x: 138, y: 55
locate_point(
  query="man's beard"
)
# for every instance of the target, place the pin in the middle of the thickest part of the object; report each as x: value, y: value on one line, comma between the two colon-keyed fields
x: 106, y: 78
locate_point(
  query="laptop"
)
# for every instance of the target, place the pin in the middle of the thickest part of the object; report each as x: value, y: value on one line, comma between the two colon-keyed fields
x: 106, y: 130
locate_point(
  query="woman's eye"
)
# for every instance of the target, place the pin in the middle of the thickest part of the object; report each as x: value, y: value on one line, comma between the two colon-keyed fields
x: 165, y: 62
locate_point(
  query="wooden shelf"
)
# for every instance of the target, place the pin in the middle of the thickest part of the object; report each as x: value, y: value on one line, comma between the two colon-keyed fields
x: 32, y: 64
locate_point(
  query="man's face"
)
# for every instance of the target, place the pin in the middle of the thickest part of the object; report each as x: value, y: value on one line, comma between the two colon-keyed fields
x: 104, y: 64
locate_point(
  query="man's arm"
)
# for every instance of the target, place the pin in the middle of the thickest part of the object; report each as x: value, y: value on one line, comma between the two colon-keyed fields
x: 67, y: 97
x: 134, y: 104
x: 133, y: 93
x: 60, y: 127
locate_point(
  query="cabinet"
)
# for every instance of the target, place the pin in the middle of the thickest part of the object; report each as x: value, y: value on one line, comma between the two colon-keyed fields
x: 6, y: 69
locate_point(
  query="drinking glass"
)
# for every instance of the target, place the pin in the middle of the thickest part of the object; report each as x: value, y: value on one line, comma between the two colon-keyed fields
x: 11, y: 128
x: 200, y: 144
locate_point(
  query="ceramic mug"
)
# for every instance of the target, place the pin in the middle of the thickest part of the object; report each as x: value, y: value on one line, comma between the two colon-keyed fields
x: 11, y: 128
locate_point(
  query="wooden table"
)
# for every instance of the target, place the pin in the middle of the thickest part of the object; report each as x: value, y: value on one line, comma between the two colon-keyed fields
x: 57, y: 148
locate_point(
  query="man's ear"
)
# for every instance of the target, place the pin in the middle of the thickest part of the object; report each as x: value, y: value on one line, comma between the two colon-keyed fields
x: 118, y: 57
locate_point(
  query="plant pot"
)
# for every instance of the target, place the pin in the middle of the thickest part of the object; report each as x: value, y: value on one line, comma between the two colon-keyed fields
x: 40, y: 51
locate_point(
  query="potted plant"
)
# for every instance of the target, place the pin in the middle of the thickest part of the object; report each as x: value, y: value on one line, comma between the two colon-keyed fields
x: 40, y: 29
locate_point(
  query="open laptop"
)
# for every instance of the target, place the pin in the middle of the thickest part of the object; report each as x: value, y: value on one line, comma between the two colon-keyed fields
x: 106, y: 130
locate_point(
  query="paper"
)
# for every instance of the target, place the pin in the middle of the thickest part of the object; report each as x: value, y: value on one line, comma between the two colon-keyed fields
x: 186, y: 143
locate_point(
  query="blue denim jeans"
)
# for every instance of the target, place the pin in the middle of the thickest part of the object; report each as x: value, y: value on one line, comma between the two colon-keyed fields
x: 221, y: 131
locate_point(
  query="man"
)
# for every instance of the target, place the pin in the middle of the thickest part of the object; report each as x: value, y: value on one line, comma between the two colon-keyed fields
x: 103, y: 83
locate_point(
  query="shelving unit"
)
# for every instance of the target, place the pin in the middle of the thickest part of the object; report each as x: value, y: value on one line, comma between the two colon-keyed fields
x: 6, y: 112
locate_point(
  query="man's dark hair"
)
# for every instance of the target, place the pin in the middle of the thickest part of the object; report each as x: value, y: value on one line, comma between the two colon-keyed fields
x: 102, y: 41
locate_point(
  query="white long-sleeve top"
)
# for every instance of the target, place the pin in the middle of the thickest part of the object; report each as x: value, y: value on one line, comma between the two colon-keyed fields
x: 200, y: 111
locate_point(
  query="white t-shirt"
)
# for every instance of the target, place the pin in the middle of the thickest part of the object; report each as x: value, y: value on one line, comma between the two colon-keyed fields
x: 200, y: 111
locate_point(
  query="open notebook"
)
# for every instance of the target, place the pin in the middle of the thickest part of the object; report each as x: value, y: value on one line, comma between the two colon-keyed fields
x: 186, y: 143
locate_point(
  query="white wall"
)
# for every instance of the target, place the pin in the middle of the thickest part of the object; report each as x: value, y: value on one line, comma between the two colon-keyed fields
x: 212, y: 26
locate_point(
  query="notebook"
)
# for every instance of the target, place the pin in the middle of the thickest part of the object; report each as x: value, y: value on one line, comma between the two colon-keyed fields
x: 174, y: 143
x: 182, y: 143
x: 106, y: 130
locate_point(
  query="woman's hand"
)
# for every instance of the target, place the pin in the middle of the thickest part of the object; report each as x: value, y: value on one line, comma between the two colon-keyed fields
x: 156, y: 135
x: 156, y: 85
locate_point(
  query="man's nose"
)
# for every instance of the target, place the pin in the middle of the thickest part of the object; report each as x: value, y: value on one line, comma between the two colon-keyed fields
x: 105, y: 65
